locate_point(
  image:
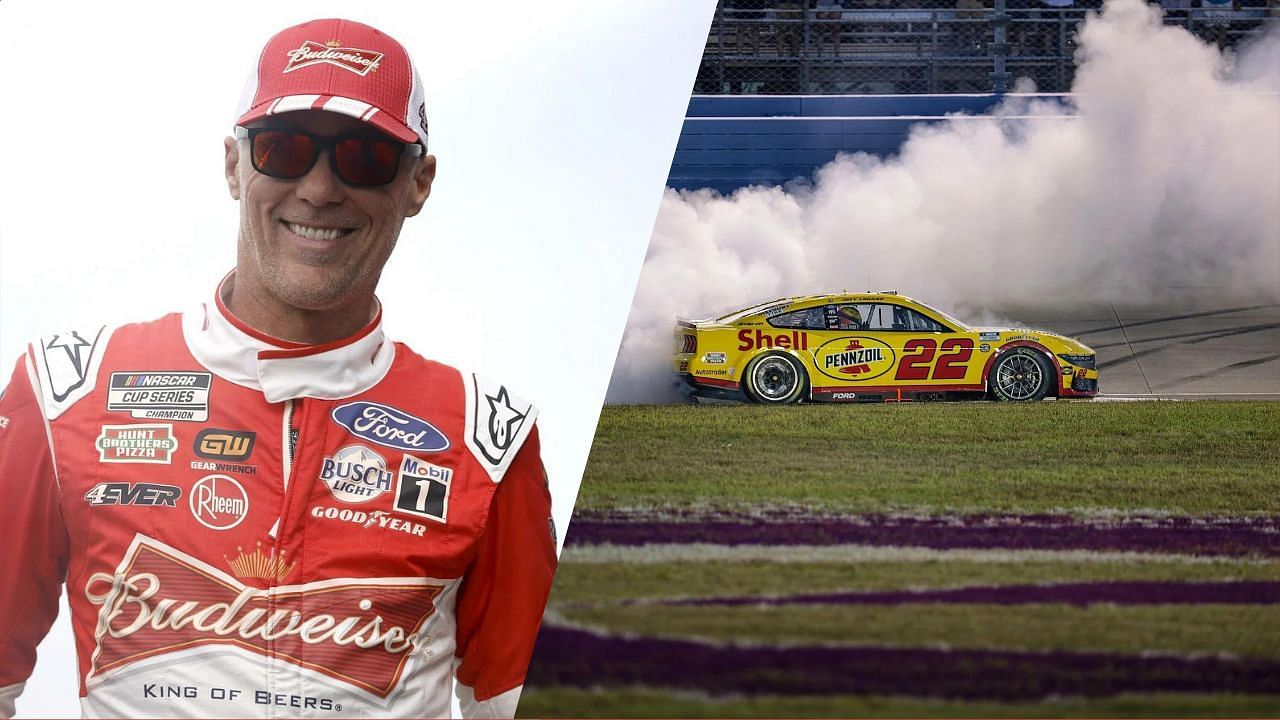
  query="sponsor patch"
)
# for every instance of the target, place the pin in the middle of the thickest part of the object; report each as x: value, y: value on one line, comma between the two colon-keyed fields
x: 136, y: 444
x: 387, y: 426
x: 360, y: 62
x: 716, y: 358
x: 992, y: 336
x: 4, y: 423
x: 161, y: 395
x: 126, y: 493
x: 711, y: 372
x: 67, y: 358
x: 211, y: 466
x: 752, y: 339
x: 372, y: 518
x: 271, y: 566
x: 218, y: 502
x: 844, y: 396
x: 355, y: 474
x: 503, y: 420
x: 984, y: 347
x: 498, y: 422
x: 231, y: 445
x: 362, y: 634
x: 423, y: 489
x: 854, y: 358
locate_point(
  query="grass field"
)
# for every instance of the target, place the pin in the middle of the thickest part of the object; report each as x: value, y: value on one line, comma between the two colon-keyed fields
x: 948, y: 560
x: 1186, y: 458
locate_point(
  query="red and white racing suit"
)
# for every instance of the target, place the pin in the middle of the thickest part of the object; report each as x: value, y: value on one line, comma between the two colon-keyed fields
x: 251, y: 527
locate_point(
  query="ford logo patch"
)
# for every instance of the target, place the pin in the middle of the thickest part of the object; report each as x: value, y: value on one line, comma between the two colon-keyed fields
x: 388, y: 426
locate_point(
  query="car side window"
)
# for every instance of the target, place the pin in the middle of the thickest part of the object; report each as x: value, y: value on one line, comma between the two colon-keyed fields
x: 905, y: 319
x: 848, y: 316
x: 806, y: 319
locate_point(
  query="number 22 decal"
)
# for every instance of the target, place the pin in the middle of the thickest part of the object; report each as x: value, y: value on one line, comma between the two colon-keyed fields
x: 918, y: 354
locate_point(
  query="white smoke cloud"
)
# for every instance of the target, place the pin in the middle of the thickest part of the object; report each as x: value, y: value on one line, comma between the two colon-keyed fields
x: 1162, y: 174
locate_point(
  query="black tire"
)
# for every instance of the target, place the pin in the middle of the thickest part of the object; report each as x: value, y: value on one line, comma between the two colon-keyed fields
x: 775, y: 378
x: 1020, y: 375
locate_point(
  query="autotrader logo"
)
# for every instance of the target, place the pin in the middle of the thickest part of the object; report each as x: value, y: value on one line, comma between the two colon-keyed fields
x: 233, y: 445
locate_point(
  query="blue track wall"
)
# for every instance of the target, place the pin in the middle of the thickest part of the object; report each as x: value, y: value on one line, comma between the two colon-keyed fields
x: 730, y: 141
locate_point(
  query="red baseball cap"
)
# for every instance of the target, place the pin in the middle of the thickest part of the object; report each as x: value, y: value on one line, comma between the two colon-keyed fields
x: 339, y: 66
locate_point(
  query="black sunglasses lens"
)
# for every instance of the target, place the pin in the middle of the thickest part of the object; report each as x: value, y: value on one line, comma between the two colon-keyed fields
x: 282, y: 153
x: 367, y: 161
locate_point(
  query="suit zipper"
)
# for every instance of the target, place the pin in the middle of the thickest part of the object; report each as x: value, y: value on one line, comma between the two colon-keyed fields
x: 288, y: 442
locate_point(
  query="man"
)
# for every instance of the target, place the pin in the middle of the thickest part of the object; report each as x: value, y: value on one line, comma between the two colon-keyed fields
x: 263, y: 506
x: 848, y: 318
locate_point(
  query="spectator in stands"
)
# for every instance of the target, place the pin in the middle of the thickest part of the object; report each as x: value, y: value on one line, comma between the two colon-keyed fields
x: 827, y: 22
x: 1028, y: 27
x: 970, y: 28
x: 789, y: 28
x: 745, y: 17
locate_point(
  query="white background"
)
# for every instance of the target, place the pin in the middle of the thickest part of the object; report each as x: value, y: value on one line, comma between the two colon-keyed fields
x: 554, y: 124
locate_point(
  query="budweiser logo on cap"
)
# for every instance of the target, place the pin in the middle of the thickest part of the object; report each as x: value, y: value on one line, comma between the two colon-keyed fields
x: 360, y: 62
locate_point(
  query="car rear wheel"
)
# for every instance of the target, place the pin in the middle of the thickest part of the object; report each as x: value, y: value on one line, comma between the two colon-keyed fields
x: 1020, y: 375
x: 775, y: 379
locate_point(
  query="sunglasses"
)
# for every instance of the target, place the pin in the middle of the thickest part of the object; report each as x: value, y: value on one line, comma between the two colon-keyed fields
x: 361, y: 160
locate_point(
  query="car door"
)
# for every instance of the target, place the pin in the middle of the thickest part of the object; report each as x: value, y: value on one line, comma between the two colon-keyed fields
x: 850, y: 353
x: 929, y: 354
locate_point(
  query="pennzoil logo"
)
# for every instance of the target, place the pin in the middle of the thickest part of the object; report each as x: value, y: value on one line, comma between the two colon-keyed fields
x: 136, y: 444
x: 854, y: 358
x: 232, y: 445
x: 360, y: 62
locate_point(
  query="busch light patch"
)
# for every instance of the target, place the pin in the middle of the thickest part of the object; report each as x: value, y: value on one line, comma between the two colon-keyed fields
x: 356, y: 474
x: 387, y: 426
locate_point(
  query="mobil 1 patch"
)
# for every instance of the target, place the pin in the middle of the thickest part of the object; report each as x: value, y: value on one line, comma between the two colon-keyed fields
x: 151, y: 395
x: 422, y: 489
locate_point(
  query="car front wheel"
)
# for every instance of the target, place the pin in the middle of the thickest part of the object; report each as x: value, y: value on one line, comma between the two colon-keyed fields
x: 1020, y: 375
x: 775, y: 379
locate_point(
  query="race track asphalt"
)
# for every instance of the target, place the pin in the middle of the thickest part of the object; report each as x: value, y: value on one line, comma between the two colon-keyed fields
x: 1197, y: 347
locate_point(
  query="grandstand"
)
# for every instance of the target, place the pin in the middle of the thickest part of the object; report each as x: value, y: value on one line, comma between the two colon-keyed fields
x: 785, y: 86
x: 877, y: 47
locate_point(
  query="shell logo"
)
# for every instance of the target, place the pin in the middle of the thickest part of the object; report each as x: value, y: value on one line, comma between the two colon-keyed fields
x: 854, y: 359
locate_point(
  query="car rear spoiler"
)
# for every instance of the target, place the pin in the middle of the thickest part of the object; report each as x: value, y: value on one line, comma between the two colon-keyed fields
x: 685, y: 323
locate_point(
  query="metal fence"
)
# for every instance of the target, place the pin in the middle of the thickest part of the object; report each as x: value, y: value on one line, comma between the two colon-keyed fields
x: 962, y: 46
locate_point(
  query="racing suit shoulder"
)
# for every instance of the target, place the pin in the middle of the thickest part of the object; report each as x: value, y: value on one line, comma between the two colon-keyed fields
x: 68, y: 364
x: 498, y: 422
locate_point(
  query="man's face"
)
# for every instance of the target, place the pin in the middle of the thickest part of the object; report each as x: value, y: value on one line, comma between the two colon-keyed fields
x: 315, y: 242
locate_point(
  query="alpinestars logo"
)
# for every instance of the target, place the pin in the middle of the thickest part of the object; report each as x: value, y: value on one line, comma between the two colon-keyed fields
x: 360, y: 62
x: 362, y: 631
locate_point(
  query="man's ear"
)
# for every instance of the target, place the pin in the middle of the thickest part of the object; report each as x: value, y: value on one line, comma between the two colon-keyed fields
x: 424, y: 173
x: 231, y: 167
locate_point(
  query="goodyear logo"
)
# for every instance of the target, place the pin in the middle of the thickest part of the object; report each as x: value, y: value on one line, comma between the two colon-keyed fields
x: 216, y: 444
x: 854, y: 358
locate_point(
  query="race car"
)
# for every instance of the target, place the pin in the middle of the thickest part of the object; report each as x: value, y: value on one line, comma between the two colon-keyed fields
x: 873, y: 347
